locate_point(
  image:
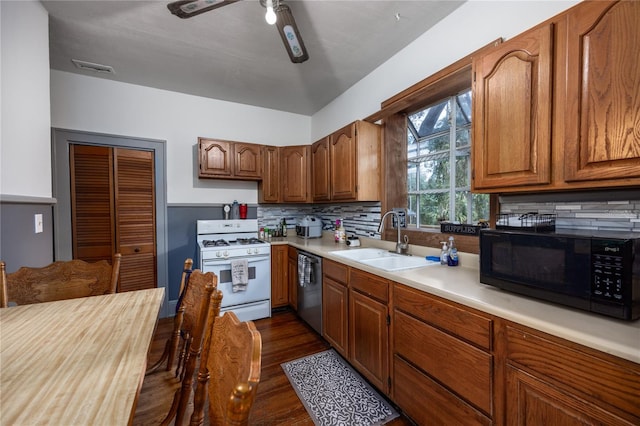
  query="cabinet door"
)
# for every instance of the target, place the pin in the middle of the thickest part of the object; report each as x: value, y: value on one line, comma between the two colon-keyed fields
x: 512, y: 112
x: 215, y: 158
x: 602, y: 140
x: 279, y: 276
x: 134, y: 186
x: 295, y: 173
x: 343, y: 163
x: 369, y: 339
x: 334, y: 314
x: 531, y: 401
x: 269, y: 186
x: 248, y: 160
x: 320, y: 169
x: 293, y: 278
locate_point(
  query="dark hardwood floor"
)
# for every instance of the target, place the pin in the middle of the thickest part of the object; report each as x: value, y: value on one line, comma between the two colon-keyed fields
x: 284, y: 338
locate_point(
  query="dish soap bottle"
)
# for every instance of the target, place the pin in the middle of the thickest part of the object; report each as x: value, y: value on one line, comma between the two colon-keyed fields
x: 444, y: 254
x: 336, y: 233
x: 342, y: 234
x: 452, y: 259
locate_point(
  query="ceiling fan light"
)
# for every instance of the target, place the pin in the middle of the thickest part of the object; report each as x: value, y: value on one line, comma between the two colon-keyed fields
x: 270, y: 16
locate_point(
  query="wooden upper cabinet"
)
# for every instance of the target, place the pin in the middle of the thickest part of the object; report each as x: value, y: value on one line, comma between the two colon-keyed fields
x: 215, y: 158
x: 512, y: 112
x: 295, y: 173
x: 602, y: 105
x: 247, y: 160
x: 269, y: 188
x: 320, y: 170
x: 354, y: 156
x: 556, y: 108
x: 229, y: 160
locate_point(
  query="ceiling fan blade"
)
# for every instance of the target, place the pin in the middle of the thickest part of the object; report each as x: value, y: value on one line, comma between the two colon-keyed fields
x: 290, y: 35
x: 189, y: 8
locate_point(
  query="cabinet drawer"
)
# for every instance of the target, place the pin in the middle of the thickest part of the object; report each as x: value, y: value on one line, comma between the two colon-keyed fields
x: 337, y: 271
x: 463, y: 323
x: 369, y: 284
x: 604, y: 380
x: 426, y: 402
x: 464, y: 368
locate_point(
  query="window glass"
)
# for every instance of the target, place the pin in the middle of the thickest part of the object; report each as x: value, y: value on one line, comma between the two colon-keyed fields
x: 439, y: 165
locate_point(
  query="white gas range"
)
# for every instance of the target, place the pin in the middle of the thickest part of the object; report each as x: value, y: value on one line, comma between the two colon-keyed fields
x: 221, y: 243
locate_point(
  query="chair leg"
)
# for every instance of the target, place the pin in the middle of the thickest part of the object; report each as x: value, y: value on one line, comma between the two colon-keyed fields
x: 165, y: 355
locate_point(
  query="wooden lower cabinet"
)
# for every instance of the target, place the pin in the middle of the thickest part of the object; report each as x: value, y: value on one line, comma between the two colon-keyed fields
x: 550, y: 381
x: 427, y: 402
x: 292, y: 277
x: 443, y: 363
x: 434, y: 351
x: 334, y: 315
x: 335, y: 299
x: 369, y: 327
x: 369, y: 338
x: 279, y: 276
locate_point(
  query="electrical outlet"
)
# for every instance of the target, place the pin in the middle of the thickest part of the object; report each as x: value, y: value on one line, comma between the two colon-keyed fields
x: 39, y: 224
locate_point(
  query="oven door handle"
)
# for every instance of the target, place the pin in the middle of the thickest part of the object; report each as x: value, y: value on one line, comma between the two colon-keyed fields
x: 227, y: 261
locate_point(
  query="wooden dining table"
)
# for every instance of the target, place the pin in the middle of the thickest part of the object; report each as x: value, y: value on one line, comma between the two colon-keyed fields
x: 77, y: 361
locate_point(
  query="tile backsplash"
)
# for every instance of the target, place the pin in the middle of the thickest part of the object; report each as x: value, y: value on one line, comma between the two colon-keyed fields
x: 360, y: 219
x: 603, y: 210
x: 590, y: 213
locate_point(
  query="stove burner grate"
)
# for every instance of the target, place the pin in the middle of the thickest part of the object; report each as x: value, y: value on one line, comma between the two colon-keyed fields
x: 214, y: 243
x: 248, y: 240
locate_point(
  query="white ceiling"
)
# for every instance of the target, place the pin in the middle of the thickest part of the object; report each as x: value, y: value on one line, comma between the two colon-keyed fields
x: 231, y: 53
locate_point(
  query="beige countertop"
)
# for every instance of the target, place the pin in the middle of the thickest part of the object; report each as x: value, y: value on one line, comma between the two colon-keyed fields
x: 461, y: 284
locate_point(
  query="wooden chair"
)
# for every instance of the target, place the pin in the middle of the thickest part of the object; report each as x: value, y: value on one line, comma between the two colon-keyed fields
x: 166, y: 389
x: 173, y: 341
x: 3, y: 285
x: 61, y: 280
x: 233, y: 354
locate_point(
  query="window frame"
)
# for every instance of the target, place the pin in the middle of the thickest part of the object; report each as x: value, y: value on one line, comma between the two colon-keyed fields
x: 393, y: 115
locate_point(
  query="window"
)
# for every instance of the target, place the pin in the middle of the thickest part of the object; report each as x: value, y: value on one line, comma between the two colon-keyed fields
x: 439, y: 165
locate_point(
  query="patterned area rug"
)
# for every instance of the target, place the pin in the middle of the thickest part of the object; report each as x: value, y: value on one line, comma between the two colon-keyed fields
x: 334, y: 394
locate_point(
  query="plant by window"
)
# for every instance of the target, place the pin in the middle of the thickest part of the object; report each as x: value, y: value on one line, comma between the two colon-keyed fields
x: 439, y: 165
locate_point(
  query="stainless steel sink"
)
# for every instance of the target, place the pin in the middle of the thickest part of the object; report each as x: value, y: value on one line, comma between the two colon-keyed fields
x: 384, y: 259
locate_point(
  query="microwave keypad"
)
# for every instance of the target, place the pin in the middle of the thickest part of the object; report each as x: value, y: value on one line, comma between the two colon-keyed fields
x: 607, y: 276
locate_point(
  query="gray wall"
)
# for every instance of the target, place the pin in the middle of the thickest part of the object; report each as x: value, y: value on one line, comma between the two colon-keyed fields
x: 19, y: 244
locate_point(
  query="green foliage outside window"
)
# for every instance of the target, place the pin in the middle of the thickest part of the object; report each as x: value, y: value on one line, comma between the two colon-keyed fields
x: 435, y: 142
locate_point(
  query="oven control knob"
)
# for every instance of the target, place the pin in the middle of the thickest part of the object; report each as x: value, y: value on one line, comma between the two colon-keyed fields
x: 256, y: 251
x: 218, y: 254
x: 248, y: 251
x: 226, y: 253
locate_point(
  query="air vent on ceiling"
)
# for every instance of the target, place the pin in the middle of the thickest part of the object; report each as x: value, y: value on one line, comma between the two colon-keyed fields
x: 90, y: 66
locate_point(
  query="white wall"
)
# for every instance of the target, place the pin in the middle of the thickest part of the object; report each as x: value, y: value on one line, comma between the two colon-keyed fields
x: 470, y: 27
x: 25, y: 138
x: 104, y: 106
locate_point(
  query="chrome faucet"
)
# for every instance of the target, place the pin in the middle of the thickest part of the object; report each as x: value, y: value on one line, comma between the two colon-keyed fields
x: 400, y: 248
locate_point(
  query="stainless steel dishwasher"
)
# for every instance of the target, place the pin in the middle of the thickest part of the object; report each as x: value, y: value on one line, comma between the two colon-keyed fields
x: 310, y: 289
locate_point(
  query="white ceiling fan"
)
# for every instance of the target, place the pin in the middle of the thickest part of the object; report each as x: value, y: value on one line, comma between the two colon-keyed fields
x: 278, y: 13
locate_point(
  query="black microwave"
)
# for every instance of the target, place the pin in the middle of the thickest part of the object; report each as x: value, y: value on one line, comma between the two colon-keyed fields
x: 597, y: 271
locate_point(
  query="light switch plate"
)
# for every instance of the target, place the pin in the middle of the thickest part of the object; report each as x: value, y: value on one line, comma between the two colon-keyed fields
x: 38, y: 223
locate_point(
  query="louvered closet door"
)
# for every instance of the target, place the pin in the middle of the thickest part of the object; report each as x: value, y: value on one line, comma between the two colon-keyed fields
x: 135, y: 218
x: 92, y: 202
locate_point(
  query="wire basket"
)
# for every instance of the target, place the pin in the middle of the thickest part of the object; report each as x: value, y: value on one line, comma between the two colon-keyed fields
x: 532, y: 221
